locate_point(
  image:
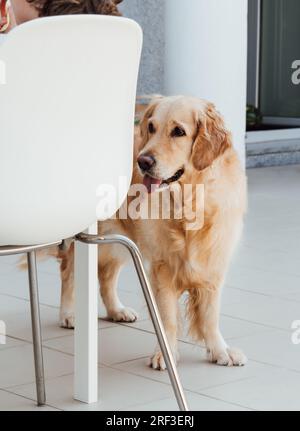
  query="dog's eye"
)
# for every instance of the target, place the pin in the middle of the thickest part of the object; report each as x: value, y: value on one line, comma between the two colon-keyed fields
x: 178, y: 132
x: 151, y: 128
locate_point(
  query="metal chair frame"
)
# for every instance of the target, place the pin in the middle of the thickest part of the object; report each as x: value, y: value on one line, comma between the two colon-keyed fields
x: 147, y: 291
x: 35, y: 312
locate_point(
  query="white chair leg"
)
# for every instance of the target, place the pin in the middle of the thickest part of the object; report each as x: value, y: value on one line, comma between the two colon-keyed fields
x: 86, y: 321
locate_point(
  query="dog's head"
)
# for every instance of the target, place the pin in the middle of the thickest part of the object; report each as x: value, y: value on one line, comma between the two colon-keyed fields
x: 179, y: 135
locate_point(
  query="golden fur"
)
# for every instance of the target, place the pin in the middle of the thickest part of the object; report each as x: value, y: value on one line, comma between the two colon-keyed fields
x: 181, y: 260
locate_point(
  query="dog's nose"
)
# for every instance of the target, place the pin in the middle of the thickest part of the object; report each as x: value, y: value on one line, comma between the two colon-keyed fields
x: 146, y: 162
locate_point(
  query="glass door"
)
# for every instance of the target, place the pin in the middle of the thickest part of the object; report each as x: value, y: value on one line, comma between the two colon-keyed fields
x: 279, y: 83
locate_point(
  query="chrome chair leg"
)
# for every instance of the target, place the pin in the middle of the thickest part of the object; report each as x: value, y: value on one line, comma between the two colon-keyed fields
x: 35, y: 310
x: 152, y: 307
x: 36, y: 329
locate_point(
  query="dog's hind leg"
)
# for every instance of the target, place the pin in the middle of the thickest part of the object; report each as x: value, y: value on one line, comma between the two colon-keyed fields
x: 66, y: 319
x: 109, y: 267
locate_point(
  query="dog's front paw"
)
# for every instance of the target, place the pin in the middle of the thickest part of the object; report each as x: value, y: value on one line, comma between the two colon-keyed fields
x: 124, y: 314
x: 157, y: 361
x: 67, y: 320
x: 229, y: 357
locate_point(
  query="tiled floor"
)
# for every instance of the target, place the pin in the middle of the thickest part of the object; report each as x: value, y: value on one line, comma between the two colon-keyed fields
x: 261, y: 299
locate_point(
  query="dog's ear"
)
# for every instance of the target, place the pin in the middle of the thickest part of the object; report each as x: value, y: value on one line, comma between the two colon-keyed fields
x: 117, y: 1
x: 212, y: 139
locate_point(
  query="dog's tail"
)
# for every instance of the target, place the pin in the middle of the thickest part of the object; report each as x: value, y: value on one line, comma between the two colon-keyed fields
x: 41, y: 255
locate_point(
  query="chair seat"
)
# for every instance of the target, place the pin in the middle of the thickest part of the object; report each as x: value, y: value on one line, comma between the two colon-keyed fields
x: 18, y: 249
x: 67, y: 124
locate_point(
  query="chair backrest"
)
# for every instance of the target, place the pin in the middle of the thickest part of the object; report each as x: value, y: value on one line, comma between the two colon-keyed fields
x: 66, y: 123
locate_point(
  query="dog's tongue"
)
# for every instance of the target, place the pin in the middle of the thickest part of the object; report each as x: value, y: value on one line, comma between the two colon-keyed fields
x: 152, y: 184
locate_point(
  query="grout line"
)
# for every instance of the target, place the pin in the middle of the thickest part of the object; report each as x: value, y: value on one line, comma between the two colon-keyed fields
x: 230, y: 286
x: 48, y: 379
x: 200, y: 395
x: 148, y: 331
x: 113, y: 367
x: 275, y: 296
x: 28, y: 398
x: 239, y: 337
x: 26, y: 342
x: 27, y: 300
x: 220, y: 399
x: 224, y: 401
x: 147, y: 356
x: 246, y: 266
x: 128, y: 361
x: 206, y: 388
x: 57, y: 350
x: 256, y: 323
x: 185, y: 390
x: 255, y: 361
x: 190, y: 342
x: 278, y: 367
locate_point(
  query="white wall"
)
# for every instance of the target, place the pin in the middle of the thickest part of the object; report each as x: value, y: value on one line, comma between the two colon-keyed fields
x: 150, y: 15
x: 205, y: 56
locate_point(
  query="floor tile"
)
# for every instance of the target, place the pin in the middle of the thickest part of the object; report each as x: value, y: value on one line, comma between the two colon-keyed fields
x: 275, y: 348
x: 195, y: 403
x: 17, y: 366
x: 49, y: 266
x: 17, y: 317
x: 128, y: 280
x: 15, y: 284
x: 195, y: 371
x: 265, y: 310
x: 231, y: 328
x: 282, y: 237
x: 10, y: 305
x: 11, y: 342
x: 275, y: 261
x: 293, y: 296
x: 12, y: 402
x: 116, y: 344
x: 260, y: 301
x: 117, y: 390
x: 264, y: 282
x: 232, y: 295
x: 278, y: 390
x: 11, y: 260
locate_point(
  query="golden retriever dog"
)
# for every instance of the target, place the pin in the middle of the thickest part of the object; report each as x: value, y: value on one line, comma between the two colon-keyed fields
x: 182, y: 141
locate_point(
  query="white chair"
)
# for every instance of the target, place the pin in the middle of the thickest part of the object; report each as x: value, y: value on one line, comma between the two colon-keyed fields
x: 66, y: 122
